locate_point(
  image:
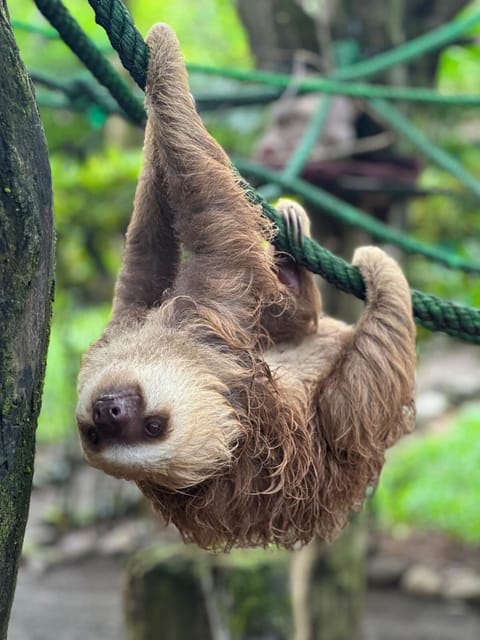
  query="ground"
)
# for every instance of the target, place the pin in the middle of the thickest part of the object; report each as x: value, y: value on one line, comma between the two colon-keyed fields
x: 84, y: 601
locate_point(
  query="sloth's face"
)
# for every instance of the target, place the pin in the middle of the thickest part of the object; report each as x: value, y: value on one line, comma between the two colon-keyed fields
x: 162, y: 421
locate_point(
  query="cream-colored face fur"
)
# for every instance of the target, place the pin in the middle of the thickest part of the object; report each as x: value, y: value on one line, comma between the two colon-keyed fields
x: 202, y: 428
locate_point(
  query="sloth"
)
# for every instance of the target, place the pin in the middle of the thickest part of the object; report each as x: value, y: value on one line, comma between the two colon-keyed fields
x: 243, y: 413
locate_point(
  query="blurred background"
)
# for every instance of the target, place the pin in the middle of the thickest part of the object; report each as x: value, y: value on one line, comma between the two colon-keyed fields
x: 409, y: 567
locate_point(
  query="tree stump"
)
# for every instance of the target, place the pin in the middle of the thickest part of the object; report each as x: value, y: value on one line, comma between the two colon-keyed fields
x: 181, y: 593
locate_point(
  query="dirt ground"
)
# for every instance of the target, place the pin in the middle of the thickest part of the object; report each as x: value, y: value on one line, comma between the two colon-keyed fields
x: 83, y: 601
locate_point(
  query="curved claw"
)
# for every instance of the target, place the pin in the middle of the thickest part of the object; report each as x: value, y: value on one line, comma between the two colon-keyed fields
x: 296, y: 221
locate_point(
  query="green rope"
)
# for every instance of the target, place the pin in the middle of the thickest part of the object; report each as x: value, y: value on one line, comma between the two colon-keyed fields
x: 115, y: 18
x: 244, y: 98
x: 351, y: 215
x: 312, y: 133
x: 355, y: 90
x: 433, y: 313
x: 72, y: 34
x: 79, y: 91
x: 102, y: 98
x: 435, y: 39
x: 50, y: 34
x: 442, y: 158
x: 51, y: 100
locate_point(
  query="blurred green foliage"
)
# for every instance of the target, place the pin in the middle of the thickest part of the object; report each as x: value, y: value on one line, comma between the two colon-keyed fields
x: 433, y: 481
x: 93, y: 203
x: 449, y: 221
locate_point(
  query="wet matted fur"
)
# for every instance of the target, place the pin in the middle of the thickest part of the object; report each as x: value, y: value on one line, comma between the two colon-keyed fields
x: 276, y: 418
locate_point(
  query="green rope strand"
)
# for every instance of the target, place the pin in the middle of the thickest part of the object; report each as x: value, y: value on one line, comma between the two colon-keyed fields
x: 105, y: 12
x: 244, y: 98
x: 50, y: 34
x: 72, y: 34
x: 312, y: 133
x: 442, y: 158
x: 355, y: 217
x: 115, y: 18
x: 355, y: 90
x: 78, y: 91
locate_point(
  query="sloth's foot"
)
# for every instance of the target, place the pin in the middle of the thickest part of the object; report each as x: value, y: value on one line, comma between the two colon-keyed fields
x: 297, y: 223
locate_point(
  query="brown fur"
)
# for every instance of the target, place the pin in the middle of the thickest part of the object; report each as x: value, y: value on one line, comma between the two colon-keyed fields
x: 291, y: 411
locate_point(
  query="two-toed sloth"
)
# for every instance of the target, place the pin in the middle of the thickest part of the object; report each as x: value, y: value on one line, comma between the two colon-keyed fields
x: 244, y: 414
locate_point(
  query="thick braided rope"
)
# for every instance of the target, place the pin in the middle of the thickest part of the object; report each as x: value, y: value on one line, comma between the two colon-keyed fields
x: 72, y: 34
x: 124, y: 37
x: 433, y: 313
x: 350, y: 215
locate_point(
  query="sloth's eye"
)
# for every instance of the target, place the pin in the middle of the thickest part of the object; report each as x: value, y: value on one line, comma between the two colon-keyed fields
x: 154, y: 428
x: 92, y: 435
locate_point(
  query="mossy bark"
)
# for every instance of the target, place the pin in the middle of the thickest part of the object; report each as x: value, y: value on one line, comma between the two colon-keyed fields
x: 26, y: 258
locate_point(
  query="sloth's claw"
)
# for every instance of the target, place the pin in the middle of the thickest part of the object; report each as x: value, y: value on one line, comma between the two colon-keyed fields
x: 296, y: 221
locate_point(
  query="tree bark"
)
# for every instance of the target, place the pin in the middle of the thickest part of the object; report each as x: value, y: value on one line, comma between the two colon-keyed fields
x: 278, y: 29
x: 26, y: 259
x: 377, y: 26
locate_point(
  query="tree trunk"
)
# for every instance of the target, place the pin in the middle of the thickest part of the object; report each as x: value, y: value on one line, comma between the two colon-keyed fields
x: 379, y: 25
x: 26, y: 255
x: 278, y: 29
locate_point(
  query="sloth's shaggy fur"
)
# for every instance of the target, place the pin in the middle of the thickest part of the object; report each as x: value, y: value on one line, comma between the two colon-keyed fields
x: 278, y: 417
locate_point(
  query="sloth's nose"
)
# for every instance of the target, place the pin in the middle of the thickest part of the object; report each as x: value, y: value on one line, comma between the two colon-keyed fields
x: 114, y: 411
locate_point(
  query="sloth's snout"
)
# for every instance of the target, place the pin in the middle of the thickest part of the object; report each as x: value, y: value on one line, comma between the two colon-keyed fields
x: 117, y: 417
x: 113, y: 413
